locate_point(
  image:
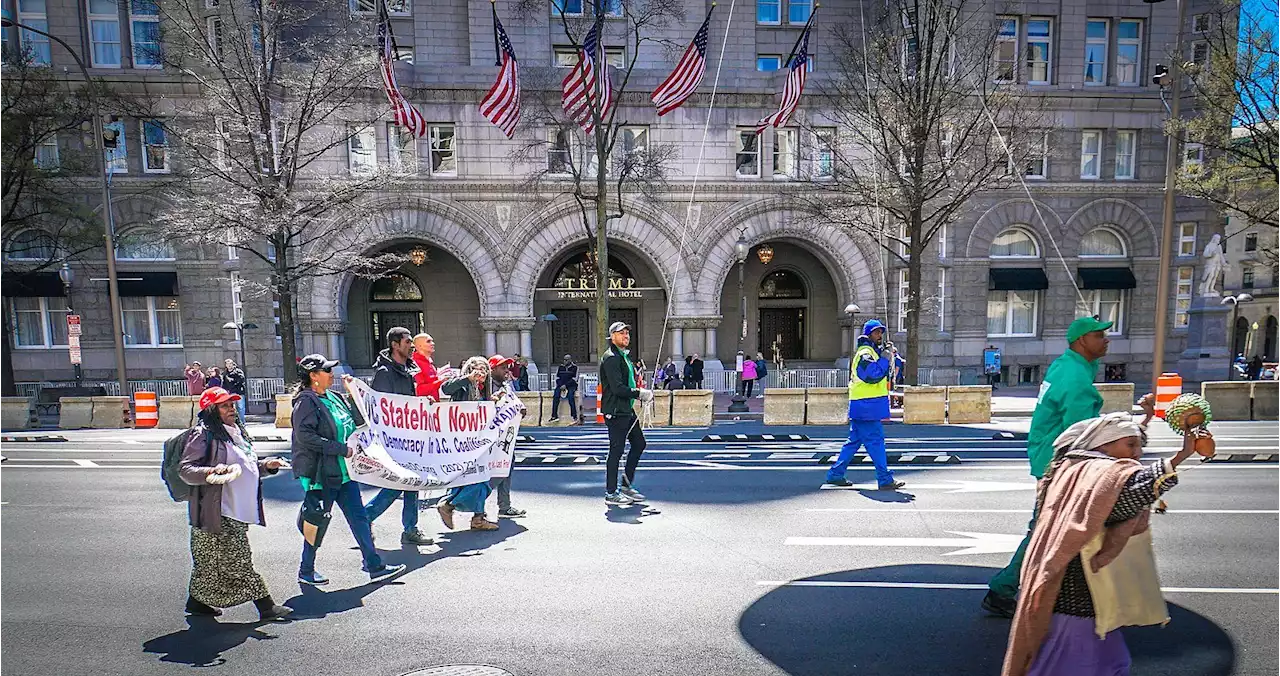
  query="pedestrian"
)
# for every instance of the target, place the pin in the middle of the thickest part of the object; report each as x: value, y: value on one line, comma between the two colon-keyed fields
x: 868, y: 407
x: 470, y: 385
x: 501, y: 386
x: 698, y: 368
x: 748, y: 376
x: 567, y: 380
x: 637, y: 364
x: 687, y: 372
x: 427, y: 381
x: 322, y: 422
x: 522, y: 374
x: 213, y: 378
x: 621, y: 387
x: 219, y: 461
x: 1067, y: 621
x: 1254, y: 371
x: 899, y: 367
x: 669, y: 372
x: 1067, y: 396
x: 234, y: 381
x: 515, y: 372
x: 395, y: 372
x: 762, y: 371
x: 194, y: 373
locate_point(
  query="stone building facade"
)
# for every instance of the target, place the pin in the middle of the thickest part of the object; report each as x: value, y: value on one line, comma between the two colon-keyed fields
x: 498, y: 260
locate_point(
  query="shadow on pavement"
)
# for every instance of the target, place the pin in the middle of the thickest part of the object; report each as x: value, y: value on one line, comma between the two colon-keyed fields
x: 631, y: 514
x: 887, y: 496
x: 825, y: 631
x: 204, y: 640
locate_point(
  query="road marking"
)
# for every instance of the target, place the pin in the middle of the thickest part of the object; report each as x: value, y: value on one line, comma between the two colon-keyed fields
x: 984, y: 587
x: 85, y: 463
x: 727, y: 455
x: 1021, y: 511
x: 704, y: 463
x: 951, y: 487
x: 969, y: 543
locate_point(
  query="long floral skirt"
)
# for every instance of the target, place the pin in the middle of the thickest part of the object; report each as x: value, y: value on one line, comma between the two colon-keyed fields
x: 222, y: 573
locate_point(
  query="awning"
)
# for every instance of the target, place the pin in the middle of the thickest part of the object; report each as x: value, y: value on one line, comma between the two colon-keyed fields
x: 148, y: 283
x: 33, y: 285
x: 1018, y: 279
x: 1107, y: 278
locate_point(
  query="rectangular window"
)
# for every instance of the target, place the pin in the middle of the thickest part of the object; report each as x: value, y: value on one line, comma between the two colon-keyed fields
x: 567, y: 7
x: 444, y: 151
x: 1250, y: 241
x: 768, y: 62
x: 155, y: 148
x: 1200, y: 23
x: 233, y: 252
x: 1126, y: 152
x: 402, y: 149
x: 748, y: 156
x: 1200, y: 53
x: 39, y: 322
x: 36, y: 46
x: 144, y: 26
x: 613, y: 8
x: 1182, y: 297
x: 941, y: 239
x: 213, y: 34
x: 1006, y: 53
x: 784, y: 153
x: 1039, y: 50
x: 1107, y: 305
x: 47, y: 153
x: 564, y: 56
x: 1038, y: 156
x: 824, y: 160
x: 559, y: 152
x: 1090, y: 153
x: 1128, y: 51
x: 904, y: 241
x: 237, y: 304
x: 1246, y: 276
x: 362, y: 150
x: 615, y: 56
x: 798, y: 11
x: 1095, y: 52
x: 1192, y: 157
x: 394, y: 7
x: 1186, y: 239
x: 769, y: 12
x: 104, y: 33
x: 117, y: 155
x: 151, y: 321
x: 635, y: 143
x: 942, y: 300
x: 1011, y: 313
x: 904, y: 293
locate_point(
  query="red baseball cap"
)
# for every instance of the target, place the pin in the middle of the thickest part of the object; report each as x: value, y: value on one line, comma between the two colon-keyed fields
x: 498, y: 360
x: 216, y: 395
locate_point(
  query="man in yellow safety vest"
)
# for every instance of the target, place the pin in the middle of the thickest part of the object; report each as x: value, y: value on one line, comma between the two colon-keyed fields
x: 868, y: 406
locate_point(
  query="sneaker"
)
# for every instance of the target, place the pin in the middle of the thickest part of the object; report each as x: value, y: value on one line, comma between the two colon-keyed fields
x: 512, y: 513
x: 195, y: 607
x: 632, y: 494
x: 415, y: 537
x: 314, y: 579
x: 1000, y: 606
x: 616, y: 498
x: 554, y: 418
x: 274, y: 613
x: 891, y: 486
x: 387, y: 573
x: 841, y: 482
x: 446, y: 514
x: 478, y: 522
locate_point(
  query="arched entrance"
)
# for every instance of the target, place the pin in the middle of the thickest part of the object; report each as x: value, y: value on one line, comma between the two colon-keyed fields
x: 783, y: 300
x: 1240, y: 337
x: 1269, y: 342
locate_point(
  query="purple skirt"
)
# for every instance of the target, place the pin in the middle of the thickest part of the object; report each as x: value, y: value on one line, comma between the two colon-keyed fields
x: 1073, y: 649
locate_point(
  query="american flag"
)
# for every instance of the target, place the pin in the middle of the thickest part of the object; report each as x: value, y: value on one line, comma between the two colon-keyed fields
x: 791, y: 91
x: 684, y: 80
x: 405, y: 114
x: 581, y: 86
x: 501, y: 105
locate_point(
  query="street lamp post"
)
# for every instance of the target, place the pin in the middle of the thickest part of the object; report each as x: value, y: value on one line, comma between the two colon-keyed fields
x: 1235, y: 302
x: 239, y: 329
x: 740, y: 249
x: 113, y: 286
x: 550, y: 318
x: 1171, y: 161
x: 67, y: 275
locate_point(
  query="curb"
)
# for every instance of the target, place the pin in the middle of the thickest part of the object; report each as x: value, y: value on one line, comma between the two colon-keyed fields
x: 1244, y: 457
x: 755, y: 437
x: 15, y: 438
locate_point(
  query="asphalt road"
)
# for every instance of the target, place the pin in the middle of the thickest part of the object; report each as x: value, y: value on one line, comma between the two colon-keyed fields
x: 739, y: 565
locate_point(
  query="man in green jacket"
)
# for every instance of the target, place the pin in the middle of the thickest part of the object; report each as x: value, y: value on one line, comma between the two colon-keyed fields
x: 1067, y: 396
x: 617, y: 398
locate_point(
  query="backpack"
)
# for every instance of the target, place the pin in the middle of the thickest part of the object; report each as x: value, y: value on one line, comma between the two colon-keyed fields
x: 170, y: 469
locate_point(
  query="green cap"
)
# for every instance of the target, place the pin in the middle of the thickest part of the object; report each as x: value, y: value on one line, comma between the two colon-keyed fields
x: 1084, y: 325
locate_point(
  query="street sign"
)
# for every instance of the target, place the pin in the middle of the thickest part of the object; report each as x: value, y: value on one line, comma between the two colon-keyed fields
x: 73, y: 338
x: 73, y: 325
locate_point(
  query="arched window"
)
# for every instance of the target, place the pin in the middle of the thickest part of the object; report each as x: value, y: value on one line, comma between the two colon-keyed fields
x: 395, y: 287
x: 782, y: 284
x: 142, y: 245
x: 31, y: 245
x: 1015, y: 242
x: 1102, y: 242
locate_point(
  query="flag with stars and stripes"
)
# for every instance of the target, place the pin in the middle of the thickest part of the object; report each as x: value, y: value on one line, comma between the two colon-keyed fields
x: 585, y: 85
x: 684, y: 80
x: 405, y: 114
x: 798, y: 68
x: 501, y: 105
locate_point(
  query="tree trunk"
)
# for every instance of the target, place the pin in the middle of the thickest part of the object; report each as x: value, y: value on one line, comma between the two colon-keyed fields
x: 284, y: 289
x: 916, y: 249
x: 602, y: 245
x: 10, y: 389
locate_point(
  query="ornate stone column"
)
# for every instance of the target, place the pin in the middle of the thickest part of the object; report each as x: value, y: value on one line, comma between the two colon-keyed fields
x: 513, y: 332
x: 706, y: 325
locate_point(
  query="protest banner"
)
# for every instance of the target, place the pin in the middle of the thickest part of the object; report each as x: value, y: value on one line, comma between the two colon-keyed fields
x: 412, y: 444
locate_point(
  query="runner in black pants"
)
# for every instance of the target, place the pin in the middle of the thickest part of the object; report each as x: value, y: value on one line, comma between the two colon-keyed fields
x: 619, y: 392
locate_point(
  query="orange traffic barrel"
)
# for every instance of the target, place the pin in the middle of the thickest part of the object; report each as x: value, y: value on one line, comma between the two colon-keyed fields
x: 147, y: 408
x: 599, y: 404
x: 1168, y: 387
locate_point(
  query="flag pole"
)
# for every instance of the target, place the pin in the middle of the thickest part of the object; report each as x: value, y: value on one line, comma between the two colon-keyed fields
x: 497, y: 52
x: 796, y: 46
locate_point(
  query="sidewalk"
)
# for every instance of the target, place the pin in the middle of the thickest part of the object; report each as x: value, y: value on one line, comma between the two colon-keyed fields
x: 1006, y: 402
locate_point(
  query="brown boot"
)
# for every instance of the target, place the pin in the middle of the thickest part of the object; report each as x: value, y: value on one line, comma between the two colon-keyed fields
x: 446, y: 514
x: 478, y: 522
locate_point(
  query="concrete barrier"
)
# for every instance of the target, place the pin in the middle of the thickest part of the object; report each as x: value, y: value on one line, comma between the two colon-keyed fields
x: 110, y: 413
x: 968, y: 404
x: 75, y: 413
x: 177, y: 413
x: 691, y: 408
x: 784, y: 406
x: 661, y: 409
x: 924, y: 405
x: 1266, y: 400
x: 532, y: 401
x: 1229, y: 399
x: 826, y: 406
x: 1116, y: 397
x: 284, y: 410
x: 15, y: 413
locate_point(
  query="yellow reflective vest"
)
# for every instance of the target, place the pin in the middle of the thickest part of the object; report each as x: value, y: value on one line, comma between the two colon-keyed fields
x: 862, y: 390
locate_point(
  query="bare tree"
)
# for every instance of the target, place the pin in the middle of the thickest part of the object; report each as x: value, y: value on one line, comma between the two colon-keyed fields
x: 916, y: 98
x: 588, y: 166
x: 277, y: 83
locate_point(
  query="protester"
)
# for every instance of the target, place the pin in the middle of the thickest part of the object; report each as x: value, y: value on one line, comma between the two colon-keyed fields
x: 1094, y: 490
x: 194, y: 373
x: 234, y: 382
x: 620, y: 388
x: 868, y: 406
x: 762, y: 371
x: 698, y: 368
x: 469, y: 386
x: 522, y: 379
x: 213, y: 379
x: 395, y: 372
x: 567, y: 380
x: 668, y: 372
x: 637, y: 365
x: 1254, y: 371
x: 427, y: 381
x: 322, y: 422
x: 515, y: 371
x: 1067, y: 396
x: 219, y: 461
x: 501, y: 385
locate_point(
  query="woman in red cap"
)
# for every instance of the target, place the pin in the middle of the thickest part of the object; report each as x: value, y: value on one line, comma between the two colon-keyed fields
x: 220, y: 463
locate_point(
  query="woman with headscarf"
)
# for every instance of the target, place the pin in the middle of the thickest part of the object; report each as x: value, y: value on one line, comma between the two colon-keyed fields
x: 219, y: 461
x: 1094, y: 512
x: 469, y: 386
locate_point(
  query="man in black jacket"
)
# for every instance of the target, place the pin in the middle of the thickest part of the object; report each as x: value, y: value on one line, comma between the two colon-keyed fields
x: 234, y: 382
x: 619, y: 392
x: 566, y: 378
x: 393, y: 372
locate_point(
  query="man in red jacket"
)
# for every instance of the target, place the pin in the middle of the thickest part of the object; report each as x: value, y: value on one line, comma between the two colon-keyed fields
x: 427, y: 381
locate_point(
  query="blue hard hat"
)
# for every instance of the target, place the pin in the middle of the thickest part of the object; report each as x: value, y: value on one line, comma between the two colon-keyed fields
x: 870, y: 326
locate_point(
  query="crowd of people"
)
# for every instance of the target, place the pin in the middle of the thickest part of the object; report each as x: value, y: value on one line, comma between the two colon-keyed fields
x: 230, y: 378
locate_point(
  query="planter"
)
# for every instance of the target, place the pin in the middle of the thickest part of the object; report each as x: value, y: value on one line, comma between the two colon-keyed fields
x: 784, y: 406
x: 968, y: 404
x: 75, y: 413
x: 15, y: 413
x: 177, y: 413
x: 110, y: 413
x: 924, y: 405
x: 691, y: 408
x: 826, y: 406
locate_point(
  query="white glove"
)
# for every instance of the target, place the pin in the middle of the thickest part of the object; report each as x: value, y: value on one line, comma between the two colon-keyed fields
x: 646, y: 396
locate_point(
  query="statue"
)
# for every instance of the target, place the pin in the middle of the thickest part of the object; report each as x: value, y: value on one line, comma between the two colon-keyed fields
x: 1215, y: 263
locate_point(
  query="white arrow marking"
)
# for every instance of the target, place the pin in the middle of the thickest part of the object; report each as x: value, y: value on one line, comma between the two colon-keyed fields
x: 950, y: 487
x: 970, y: 543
